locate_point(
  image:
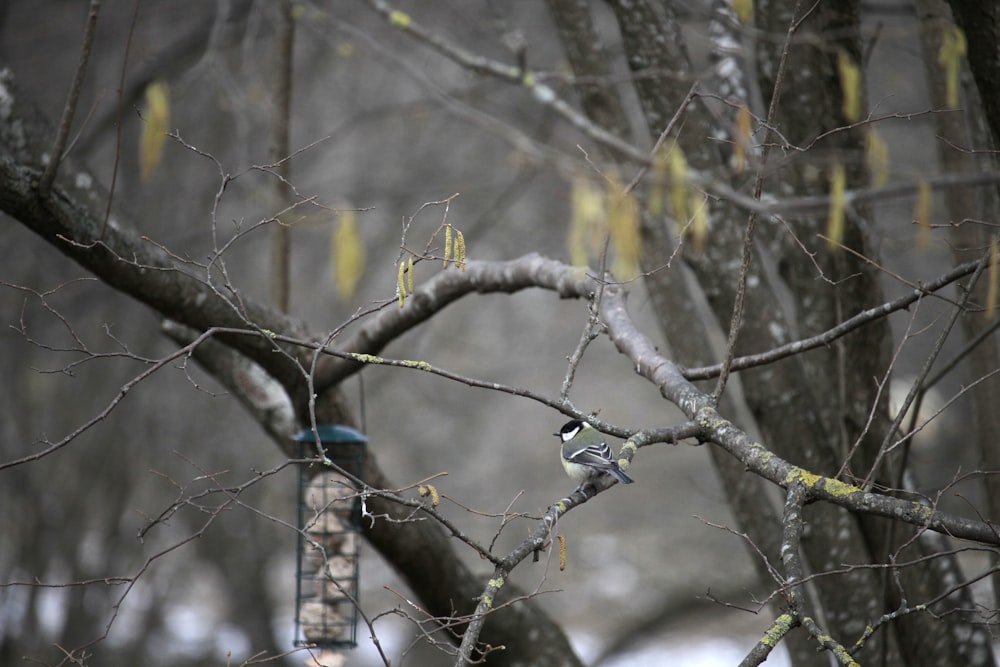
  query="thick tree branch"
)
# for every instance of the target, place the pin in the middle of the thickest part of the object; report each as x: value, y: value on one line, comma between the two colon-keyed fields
x: 669, y: 379
x: 532, y: 270
x: 71, y: 221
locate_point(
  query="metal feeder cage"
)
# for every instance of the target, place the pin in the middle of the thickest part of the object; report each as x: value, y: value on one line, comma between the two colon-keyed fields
x: 329, y: 522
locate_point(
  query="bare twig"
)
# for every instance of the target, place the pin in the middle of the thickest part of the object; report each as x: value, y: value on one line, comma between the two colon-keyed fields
x: 842, y: 329
x: 736, y: 319
x: 72, y: 99
x: 118, y: 118
x: 925, y: 370
x: 284, y: 46
x: 541, y: 92
x: 791, y: 559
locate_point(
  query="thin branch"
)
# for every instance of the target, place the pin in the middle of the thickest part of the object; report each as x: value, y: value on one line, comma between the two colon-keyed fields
x: 213, y: 513
x: 122, y: 392
x: 284, y: 49
x: 925, y: 370
x: 681, y: 108
x: 842, y: 329
x: 591, y: 330
x: 72, y: 99
x: 478, y: 64
x: 736, y: 319
x: 535, y: 542
x: 119, y: 113
x: 791, y: 542
x: 774, y: 206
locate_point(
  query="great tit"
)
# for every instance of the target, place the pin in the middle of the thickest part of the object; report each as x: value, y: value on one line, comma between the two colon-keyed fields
x: 586, y: 455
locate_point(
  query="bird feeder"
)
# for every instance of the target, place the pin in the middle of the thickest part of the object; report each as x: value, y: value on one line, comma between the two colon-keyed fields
x: 329, y: 520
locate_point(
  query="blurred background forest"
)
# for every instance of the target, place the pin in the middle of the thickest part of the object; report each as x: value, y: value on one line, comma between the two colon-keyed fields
x: 381, y: 124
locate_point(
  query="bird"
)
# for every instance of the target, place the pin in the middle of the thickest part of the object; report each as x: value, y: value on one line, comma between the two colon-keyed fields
x: 585, y: 454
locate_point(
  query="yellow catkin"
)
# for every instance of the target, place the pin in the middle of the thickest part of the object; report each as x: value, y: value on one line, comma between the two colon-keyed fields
x: 459, y: 250
x: 562, y: 552
x: 587, y: 215
x: 993, y: 286
x: 679, y: 195
x: 623, y: 227
x: 401, y: 284
x: 877, y: 159
x: 850, y: 87
x: 953, y: 49
x: 430, y: 490
x: 348, y: 255
x: 742, y: 139
x: 699, y: 221
x: 743, y: 10
x: 447, y: 245
x: 154, y: 129
x: 835, y: 221
x: 654, y: 200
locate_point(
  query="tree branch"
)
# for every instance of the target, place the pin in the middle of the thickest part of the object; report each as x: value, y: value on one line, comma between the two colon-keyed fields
x: 842, y: 329
x: 528, y: 271
x: 673, y: 386
x: 69, y: 110
x: 69, y: 220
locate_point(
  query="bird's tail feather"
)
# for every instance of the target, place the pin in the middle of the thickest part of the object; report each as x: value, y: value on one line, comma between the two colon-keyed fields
x: 620, y: 476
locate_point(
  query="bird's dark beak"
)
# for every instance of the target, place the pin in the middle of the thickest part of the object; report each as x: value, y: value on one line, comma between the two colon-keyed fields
x: 557, y: 434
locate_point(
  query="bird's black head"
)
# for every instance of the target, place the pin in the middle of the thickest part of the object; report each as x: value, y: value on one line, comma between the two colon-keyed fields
x: 571, y: 428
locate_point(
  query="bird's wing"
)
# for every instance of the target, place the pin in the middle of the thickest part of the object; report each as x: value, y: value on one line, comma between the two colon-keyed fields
x: 597, y: 456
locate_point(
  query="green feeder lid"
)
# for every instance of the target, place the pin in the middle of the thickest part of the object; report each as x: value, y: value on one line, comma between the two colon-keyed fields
x: 331, y: 434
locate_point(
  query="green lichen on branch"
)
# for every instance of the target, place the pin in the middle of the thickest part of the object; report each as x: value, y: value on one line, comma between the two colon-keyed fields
x: 405, y: 363
x: 781, y: 627
x: 366, y: 358
x: 813, y: 482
